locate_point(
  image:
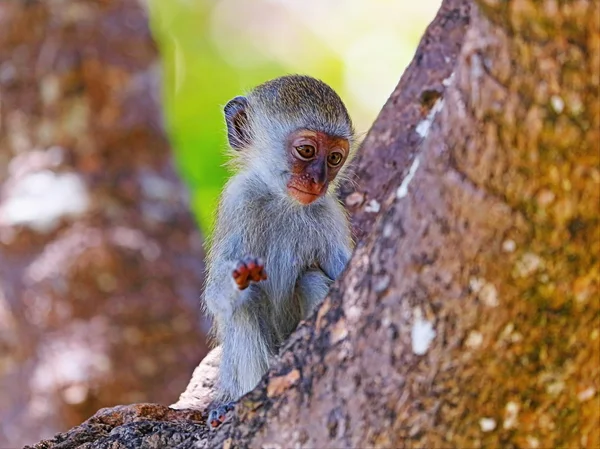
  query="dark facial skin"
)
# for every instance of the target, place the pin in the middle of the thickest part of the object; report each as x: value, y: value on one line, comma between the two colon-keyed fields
x: 315, y: 160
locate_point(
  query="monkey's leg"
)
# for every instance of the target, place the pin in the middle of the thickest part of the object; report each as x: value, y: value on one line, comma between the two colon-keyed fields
x: 311, y: 288
x: 245, y: 359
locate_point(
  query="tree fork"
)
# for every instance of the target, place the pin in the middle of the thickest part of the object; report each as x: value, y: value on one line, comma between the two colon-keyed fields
x: 469, y: 315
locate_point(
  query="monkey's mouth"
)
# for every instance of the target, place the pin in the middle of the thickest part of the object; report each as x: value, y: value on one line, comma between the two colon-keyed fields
x: 302, y: 196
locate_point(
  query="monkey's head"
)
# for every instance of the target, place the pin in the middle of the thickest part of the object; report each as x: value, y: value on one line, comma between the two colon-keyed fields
x: 293, y: 131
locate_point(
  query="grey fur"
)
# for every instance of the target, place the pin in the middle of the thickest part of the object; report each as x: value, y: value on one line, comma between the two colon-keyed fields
x: 304, y: 247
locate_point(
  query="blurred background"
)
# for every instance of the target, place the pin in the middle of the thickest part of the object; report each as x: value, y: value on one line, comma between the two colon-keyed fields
x: 213, y: 51
x: 105, y: 107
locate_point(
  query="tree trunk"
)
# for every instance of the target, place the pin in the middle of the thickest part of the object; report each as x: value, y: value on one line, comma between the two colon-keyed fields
x: 469, y: 313
x: 100, y: 260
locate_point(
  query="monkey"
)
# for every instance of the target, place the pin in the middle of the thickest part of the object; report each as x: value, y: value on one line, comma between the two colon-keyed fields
x: 281, y: 235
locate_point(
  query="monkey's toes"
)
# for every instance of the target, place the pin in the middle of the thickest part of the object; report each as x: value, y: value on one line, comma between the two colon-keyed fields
x: 218, y: 415
x: 249, y: 269
x: 213, y: 419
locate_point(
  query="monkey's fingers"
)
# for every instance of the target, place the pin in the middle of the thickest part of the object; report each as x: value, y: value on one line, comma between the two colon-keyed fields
x: 223, y: 410
x: 219, y: 414
x: 249, y: 269
x: 242, y: 282
x: 237, y: 275
x: 257, y: 275
x: 222, y: 413
x: 240, y: 276
x: 256, y: 266
x: 213, y: 419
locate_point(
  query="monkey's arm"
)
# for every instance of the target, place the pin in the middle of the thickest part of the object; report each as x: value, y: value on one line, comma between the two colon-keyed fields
x: 231, y: 270
x: 221, y: 295
x: 228, y: 283
x: 338, y: 250
x: 312, y: 288
x: 335, y: 260
x: 314, y: 284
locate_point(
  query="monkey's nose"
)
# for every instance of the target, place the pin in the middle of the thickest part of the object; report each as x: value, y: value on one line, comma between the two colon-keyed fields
x: 319, y: 175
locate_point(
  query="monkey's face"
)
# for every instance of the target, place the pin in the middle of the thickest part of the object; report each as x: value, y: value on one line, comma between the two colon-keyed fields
x: 315, y: 160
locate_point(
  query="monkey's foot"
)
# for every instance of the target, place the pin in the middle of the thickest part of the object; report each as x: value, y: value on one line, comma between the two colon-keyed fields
x: 249, y: 269
x: 218, y: 415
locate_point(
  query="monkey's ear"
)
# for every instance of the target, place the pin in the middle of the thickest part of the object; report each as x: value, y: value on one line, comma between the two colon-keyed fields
x: 238, y: 128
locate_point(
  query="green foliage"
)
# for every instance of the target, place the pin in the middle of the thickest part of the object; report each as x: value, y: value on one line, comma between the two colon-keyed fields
x: 196, y: 82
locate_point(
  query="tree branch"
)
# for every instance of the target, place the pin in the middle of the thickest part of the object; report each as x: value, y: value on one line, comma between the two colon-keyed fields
x: 468, y: 316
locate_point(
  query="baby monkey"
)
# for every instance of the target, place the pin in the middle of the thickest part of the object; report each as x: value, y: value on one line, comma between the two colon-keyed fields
x: 281, y: 235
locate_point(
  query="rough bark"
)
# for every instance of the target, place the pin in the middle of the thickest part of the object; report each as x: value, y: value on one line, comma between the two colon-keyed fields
x: 469, y: 314
x: 100, y: 260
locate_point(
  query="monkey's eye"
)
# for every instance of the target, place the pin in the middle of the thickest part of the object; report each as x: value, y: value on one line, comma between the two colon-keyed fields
x: 306, y: 151
x: 334, y: 159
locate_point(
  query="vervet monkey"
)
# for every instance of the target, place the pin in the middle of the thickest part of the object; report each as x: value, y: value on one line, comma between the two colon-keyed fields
x: 281, y: 235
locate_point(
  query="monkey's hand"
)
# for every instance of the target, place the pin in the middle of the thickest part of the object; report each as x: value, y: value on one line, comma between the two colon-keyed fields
x: 248, y: 270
